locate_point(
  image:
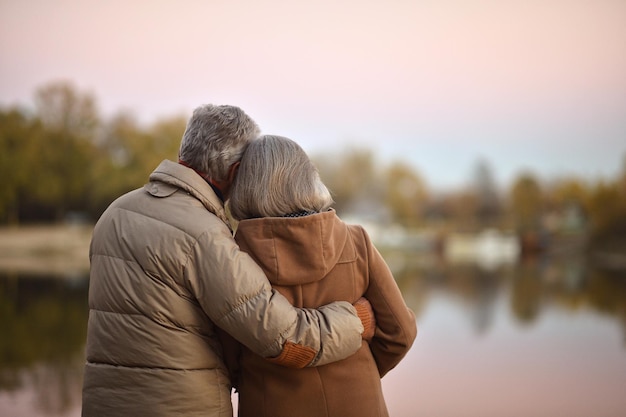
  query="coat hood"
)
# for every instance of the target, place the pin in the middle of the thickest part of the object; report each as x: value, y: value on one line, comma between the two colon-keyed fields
x: 296, y: 251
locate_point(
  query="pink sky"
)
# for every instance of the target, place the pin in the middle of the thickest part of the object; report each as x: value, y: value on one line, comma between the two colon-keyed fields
x: 523, y: 84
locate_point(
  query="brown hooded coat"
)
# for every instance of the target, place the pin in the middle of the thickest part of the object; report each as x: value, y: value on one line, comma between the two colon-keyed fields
x: 312, y: 261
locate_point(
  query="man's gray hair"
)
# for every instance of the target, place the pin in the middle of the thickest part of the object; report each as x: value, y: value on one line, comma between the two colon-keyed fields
x: 276, y: 178
x: 215, y: 138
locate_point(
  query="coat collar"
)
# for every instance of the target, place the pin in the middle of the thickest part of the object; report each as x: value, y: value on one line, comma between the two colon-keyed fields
x: 172, y: 174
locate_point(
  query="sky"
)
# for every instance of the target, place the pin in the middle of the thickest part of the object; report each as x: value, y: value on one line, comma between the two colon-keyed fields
x: 528, y: 85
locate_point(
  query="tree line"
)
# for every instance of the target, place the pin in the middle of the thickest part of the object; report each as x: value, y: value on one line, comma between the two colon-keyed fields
x: 529, y: 207
x: 62, y: 159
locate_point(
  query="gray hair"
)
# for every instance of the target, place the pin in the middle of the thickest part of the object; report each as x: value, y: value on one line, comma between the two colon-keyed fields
x: 276, y: 178
x: 215, y: 138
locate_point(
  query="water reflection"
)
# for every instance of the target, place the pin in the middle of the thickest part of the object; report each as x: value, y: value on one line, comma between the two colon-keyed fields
x: 43, y: 326
x: 533, y: 284
x: 490, y: 339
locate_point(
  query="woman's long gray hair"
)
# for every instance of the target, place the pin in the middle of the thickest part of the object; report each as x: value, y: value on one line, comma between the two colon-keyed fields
x: 276, y: 178
x: 215, y: 138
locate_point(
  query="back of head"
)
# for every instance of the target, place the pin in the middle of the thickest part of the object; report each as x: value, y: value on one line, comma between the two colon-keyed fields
x: 276, y: 178
x: 215, y: 138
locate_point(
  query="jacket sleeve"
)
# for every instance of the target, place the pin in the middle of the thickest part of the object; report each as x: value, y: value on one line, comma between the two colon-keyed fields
x: 396, y: 327
x: 233, y: 291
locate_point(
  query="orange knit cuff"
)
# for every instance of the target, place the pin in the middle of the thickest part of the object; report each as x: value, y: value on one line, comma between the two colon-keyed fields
x: 364, y: 314
x: 294, y: 356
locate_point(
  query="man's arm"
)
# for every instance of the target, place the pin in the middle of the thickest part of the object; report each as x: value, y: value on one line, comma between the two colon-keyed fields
x: 237, y: 297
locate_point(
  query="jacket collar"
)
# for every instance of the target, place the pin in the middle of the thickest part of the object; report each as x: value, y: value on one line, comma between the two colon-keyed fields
x: 179, y: 176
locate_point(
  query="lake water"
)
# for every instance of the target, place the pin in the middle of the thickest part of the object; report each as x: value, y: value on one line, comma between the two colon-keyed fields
x: 539, y: 338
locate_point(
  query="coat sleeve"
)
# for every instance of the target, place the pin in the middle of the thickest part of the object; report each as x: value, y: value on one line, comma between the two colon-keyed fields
x: 235, y: 294
x: 396, y: 327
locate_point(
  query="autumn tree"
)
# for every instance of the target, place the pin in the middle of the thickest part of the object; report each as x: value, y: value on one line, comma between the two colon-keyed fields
x: 405, y: 194
x: 20, y: 137
x: 461, y: 207
x: 526, y: 203
x: 353, y: 180
x: 128, y: 153
x: 61, y: 178
x: 566, y: 204
x: 607, y: 208
x: 487, y: 200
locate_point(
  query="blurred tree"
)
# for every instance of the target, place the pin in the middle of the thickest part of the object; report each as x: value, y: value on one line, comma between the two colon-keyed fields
x: 165, y: 137
x: 19, y: 137
x: 526, y: 203
x: 405, y: 194
x: 568, y: 190
x: 62, y: 108
x: 527, y: 210
x: 110, y: 169
x: 63, y: 159
x: 488, y: 207
x: 61, y: 177
x: 566, y: 202
x: 462, y: 207
x: 127, y: 154
x: 354, y: 182
x: 607, y: 208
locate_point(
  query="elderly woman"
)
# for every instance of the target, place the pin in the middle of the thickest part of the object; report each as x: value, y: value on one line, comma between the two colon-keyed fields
x: 311, y: 257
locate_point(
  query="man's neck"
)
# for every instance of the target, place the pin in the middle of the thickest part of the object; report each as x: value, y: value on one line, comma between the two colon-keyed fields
x: 214, y: 184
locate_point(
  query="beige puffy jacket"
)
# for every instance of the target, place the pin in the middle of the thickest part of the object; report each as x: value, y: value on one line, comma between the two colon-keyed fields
x: 165, y: 271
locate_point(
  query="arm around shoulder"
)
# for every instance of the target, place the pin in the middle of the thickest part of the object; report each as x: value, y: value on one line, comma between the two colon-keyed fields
x: 233, y: 291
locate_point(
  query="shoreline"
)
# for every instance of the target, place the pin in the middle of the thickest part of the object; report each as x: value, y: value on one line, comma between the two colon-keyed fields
x: 62, y: 251
x: 51, y: 250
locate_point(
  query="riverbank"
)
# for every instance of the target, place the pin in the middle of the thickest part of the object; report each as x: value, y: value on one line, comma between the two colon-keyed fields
x: 51, y: 250
x: 63, y: 250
